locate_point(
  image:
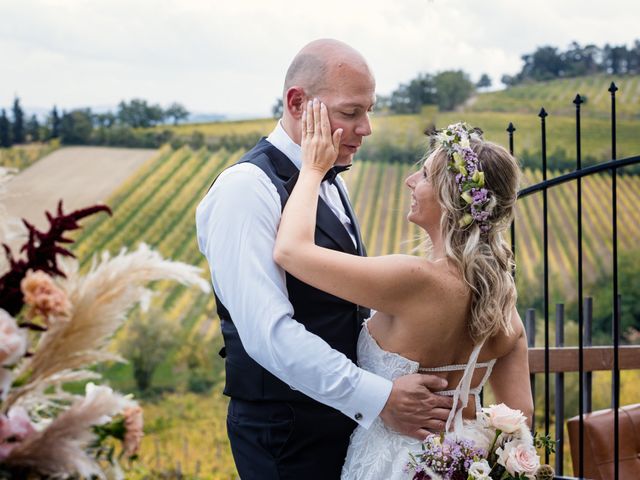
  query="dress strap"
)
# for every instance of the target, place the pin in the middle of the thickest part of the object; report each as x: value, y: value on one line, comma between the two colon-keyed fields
x: 461, y: 394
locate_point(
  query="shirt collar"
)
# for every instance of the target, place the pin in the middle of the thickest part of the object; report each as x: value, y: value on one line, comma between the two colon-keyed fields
x: 280, y: 139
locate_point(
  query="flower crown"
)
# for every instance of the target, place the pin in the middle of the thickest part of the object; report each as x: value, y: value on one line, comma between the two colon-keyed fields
x: 464, y: 162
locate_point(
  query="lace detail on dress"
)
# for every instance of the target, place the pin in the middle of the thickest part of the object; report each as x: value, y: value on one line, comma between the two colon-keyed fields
x: 379, y: 452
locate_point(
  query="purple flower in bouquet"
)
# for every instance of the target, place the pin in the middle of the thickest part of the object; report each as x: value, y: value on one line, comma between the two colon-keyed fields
x: 445, y: 457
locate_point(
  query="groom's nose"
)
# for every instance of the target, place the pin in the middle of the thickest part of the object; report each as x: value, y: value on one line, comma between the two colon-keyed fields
x: 363, y: 128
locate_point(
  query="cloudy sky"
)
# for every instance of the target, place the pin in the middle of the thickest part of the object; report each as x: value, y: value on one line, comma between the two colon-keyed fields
x: 229, y: 56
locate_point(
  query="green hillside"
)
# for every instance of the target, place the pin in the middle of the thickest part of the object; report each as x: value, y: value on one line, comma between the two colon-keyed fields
x: 556, y: 96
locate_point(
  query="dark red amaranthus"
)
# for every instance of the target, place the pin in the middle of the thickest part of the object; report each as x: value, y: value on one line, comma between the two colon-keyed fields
x: 41, y: 250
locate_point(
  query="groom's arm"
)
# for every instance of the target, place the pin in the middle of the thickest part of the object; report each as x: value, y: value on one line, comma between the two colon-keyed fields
x: 236, y: 224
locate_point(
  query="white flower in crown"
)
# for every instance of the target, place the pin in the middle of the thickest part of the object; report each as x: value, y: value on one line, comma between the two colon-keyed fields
x: 444, y: 136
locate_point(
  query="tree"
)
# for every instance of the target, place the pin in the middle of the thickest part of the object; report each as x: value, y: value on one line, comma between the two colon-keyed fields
x: 54, y: 121
x: 139, y: 114
x: 150, y: 339
x: 602, y: 292
x: 276, y: 110
x: 409, y: 98
x: 104, y: 120
x: 177, y: 112
x: 5, y: 130
x: 544, y: 64
x: 616, y: 59
x: 18, y: 122
x: 76, y: 127
x: 484, y: 82
x: 33, y: 129
x: 453, y: 88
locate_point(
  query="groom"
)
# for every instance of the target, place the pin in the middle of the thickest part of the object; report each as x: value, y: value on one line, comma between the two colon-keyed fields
x: 290, y: 349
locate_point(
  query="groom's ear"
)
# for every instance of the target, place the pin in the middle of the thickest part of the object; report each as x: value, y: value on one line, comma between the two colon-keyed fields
x: 295, y: 99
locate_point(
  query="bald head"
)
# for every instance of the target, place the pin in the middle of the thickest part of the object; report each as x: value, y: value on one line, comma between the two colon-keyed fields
x: 321, y: 63
x: 338, y: 76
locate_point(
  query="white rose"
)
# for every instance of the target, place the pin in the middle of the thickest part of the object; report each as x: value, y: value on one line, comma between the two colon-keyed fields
x: 519, y: 457
x: 480, y: 470
x: 504, y: 418
x: 478, y: 434
x: 13, y: 340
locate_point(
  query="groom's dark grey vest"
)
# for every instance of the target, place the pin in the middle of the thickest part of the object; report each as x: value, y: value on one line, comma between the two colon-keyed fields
x: 336, y: 321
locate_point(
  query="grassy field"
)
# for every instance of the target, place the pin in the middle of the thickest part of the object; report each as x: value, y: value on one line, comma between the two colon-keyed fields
x: 21, y: 156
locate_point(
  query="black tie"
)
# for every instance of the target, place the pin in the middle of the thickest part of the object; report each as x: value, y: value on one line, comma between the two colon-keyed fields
x: 331, y: 174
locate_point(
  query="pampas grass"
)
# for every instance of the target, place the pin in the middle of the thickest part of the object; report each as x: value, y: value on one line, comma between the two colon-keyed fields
x: 60, y: 449
x: 99, y: 303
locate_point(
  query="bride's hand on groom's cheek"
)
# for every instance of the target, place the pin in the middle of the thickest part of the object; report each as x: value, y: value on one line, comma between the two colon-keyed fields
x: 413, y: 409
x: 319, y: 146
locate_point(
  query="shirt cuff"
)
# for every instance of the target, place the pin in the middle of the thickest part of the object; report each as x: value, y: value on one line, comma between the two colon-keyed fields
x: 368, y: 399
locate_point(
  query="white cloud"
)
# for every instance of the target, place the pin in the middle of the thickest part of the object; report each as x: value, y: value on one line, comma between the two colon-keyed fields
x: 230, y: 56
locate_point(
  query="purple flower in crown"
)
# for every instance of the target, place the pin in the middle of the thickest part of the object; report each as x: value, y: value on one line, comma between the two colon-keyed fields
x: 464, y: 162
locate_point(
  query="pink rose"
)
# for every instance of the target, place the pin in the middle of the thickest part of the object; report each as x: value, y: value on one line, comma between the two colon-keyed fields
x: 133, y: 429
x: 14, y: 428
x: 43, y: 295
x: 504, y: 418
x: 519, y: 457
x: 13, y: 340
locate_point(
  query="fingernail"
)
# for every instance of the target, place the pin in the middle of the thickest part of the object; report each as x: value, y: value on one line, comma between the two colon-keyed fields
x: 315, y: 100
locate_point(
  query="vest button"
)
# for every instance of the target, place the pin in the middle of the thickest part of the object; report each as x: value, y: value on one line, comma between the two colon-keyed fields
x: 358, y: 416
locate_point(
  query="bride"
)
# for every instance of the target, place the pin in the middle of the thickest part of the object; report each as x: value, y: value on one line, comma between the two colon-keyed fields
x: 452, y: 314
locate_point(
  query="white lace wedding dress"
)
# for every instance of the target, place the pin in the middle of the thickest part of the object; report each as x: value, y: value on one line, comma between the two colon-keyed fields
x: 379, y: 453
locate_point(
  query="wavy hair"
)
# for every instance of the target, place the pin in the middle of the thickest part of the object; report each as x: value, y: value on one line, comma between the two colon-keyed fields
x: 484, y: 259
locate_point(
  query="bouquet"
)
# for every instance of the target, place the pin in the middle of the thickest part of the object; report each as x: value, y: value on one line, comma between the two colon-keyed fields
x: 496, y: 446
x: 54, y: 325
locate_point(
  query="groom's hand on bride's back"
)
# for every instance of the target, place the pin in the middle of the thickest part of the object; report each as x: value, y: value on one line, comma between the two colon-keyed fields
x: 413, y: 407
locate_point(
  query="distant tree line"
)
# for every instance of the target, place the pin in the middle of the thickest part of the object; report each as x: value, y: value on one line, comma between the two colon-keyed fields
x: 548, y: 63
x: 84, y: 127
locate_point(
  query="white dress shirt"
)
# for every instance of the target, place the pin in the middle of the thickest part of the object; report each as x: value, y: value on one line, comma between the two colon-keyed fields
x: 236, y: 225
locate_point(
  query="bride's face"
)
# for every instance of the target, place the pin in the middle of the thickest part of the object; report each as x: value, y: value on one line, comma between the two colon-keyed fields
x: 425, y: 210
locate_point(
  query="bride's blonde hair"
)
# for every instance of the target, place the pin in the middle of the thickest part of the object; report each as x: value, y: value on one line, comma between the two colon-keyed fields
x: 484, y: 259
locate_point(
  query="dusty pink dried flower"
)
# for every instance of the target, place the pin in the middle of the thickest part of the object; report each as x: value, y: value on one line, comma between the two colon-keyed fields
x: 43, y: 296
x: 133, y: 424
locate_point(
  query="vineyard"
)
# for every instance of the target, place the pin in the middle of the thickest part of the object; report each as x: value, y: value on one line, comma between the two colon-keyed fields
x: 528, y: 98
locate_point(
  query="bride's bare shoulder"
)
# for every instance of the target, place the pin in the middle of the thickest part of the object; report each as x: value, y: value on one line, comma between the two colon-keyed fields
x: 503, y: 343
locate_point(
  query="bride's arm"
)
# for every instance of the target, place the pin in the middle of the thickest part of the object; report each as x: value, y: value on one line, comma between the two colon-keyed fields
x: 382, y: 283
x: 510, y: 376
